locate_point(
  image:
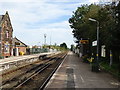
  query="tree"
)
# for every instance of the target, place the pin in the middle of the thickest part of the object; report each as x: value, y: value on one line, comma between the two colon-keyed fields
x: 117, y: 34
x: 109, y: 23
x: 82, y: 28
x: 63, y: 45
x: 72, y: 47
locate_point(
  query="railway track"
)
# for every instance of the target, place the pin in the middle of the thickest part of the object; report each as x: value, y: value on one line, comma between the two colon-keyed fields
x: 40, y: 78
x: 30, y: 74
x: 24, y: 67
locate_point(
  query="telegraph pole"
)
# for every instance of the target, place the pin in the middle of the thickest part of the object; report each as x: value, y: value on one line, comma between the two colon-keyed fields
x: 44, y: 39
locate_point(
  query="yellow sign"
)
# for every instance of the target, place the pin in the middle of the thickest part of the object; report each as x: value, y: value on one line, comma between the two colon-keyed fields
x: 110, y: 54
x: 84, y: 41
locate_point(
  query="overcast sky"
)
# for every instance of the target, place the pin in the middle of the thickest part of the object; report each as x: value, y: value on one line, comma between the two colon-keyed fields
x: 31, y: 19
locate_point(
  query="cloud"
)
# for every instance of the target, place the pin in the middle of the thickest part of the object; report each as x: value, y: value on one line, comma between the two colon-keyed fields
x: 31, y: 19
x: 93, y: 1
x: 68, y: 1
x: 58, y: 32
x: 36, y: 12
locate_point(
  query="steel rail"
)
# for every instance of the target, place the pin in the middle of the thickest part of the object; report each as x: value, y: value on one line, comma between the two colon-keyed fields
x: 35, y: 73
x: 51, y: 74
x: 29, y: 70
x: 43, y: 68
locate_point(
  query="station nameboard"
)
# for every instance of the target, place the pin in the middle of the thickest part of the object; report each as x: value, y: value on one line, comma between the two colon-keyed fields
x: 94, y: 43
x: 84, y: 41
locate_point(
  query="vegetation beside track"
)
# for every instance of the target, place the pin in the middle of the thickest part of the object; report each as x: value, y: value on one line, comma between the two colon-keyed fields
x: 105, y: 65
x: 113, y: 69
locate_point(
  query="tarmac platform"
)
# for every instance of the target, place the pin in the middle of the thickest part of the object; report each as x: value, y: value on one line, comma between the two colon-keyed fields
x: 73, y: 73
x: 16, y: 61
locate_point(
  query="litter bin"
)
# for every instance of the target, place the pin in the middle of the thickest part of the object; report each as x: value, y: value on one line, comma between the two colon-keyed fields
x: 94, y: 65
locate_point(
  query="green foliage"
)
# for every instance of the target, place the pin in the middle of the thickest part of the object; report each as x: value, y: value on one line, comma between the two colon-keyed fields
x: 54, y: 47
x: 85, y: 58
x: 1, y: 57
x: 72, y: 47
x: 114, y: 69
x: 82, y: 28
x: 63, y: 45
x: 117, y: 35
x: 109, y: 29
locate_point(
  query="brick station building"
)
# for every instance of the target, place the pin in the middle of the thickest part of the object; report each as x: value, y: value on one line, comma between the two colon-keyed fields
x: 19, y: 48
x: 6, y: 32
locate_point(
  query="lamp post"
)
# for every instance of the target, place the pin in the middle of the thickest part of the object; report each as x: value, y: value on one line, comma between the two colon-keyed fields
x: 97, y: 40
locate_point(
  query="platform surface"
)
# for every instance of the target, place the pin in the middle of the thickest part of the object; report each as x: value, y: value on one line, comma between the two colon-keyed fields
x: 19, y: 58
x: 73, y: 73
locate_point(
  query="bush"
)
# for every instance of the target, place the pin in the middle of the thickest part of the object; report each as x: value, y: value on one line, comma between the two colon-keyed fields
x: 1, y: 57
x: 95, y: 67
x: 113, y: 69
x: 85, y: 58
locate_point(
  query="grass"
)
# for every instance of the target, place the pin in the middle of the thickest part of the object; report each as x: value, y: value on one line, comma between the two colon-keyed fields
x: 113, y: 69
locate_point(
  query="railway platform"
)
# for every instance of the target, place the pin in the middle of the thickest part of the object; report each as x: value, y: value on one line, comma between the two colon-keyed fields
x: 16, y: 61
x: 73, y: 73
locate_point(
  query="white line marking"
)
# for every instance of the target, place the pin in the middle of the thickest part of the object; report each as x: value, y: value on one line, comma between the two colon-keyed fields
x: 82, y: 79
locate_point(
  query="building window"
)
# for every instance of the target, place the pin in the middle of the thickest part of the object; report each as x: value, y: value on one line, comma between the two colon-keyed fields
x: 7, y: 46
x: 5, y: 23
x: 7, y: 34
x: 0, y: 47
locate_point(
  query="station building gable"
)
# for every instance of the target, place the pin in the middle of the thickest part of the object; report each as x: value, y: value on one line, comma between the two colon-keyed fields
x: 19, y: 47
x: 6, y: 32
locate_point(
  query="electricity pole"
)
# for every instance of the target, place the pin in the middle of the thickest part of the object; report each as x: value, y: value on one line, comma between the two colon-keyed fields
x: 44, y: 39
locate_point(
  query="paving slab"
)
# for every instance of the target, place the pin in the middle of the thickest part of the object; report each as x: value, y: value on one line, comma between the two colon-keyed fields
x: 73, y: 73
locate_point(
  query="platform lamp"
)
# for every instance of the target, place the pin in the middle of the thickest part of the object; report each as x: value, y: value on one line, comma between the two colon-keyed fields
x: 97, y: 38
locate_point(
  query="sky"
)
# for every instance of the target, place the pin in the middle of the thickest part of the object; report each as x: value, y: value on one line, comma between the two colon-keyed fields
x: 31, y: 19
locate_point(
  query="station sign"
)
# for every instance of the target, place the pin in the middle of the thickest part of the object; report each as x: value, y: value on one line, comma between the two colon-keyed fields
x: 84, y: 41
x: 94, y: 43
